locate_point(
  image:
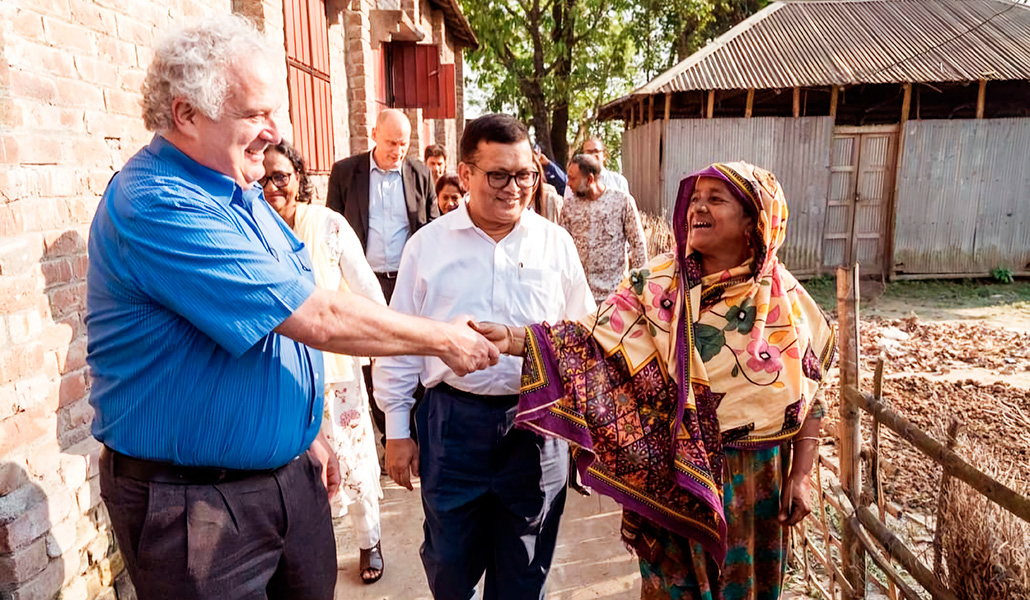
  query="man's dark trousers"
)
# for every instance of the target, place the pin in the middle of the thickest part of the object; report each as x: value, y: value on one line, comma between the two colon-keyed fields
x: 492, y: 494
x: 268, y: 536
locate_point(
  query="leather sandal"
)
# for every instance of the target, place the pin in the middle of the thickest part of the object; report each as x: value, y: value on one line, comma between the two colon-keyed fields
x: 371, y: 560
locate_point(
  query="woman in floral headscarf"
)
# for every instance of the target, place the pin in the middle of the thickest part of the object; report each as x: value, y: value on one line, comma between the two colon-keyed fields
x: 710, y: 473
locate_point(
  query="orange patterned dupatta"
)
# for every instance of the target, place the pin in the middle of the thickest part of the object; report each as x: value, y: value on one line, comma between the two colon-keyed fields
x: 750, y: 341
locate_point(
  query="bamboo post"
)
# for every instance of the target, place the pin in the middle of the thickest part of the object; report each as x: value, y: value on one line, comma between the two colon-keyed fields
x: 848, y: 432
x: 954, y: 428
x: 750, y: 103
x: 711, y: 104
x: 822, y: 517
x: 650, y: 108
x: 797, y: 102
x: 834, y: 90
x: 668, y: 105
x: 874, y: 467
x: 803, y: 527
x: 981, y: 97
x: 906, y: 108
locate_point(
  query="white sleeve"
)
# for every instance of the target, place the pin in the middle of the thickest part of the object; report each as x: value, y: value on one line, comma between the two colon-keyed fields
x: 354, y: 266
x: 395, y: 378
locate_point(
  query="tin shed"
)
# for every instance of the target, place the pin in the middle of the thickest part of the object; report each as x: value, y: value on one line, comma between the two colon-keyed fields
x: 899, y: 129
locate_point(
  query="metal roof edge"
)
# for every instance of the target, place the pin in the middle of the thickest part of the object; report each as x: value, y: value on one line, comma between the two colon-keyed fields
x: 664, y: 78
x: 655, y: 85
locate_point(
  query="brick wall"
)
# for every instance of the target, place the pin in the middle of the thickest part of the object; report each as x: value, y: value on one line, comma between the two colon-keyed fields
x: 360, y: 69
x: 70, y: 72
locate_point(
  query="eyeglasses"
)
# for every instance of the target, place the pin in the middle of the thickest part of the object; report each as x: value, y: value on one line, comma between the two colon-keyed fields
x: 280, y: 180
x: 500, y: 179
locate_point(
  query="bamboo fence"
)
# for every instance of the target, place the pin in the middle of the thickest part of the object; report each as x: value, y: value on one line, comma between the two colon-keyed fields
x: 848, y: 526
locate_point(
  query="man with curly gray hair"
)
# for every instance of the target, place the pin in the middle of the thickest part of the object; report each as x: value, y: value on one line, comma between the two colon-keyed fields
x: 205, y: 336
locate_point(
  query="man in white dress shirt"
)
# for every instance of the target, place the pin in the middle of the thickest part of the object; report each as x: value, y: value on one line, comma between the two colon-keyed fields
x: 492, y: 494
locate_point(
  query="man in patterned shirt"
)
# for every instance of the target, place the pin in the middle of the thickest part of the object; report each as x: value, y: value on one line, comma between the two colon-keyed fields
x: 605, y: 225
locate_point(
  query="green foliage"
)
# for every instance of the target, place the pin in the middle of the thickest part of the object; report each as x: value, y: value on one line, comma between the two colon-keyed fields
x: 555, y: 62
x: 669, y: 31
x: 1002, y: 275
x: 823, y: 289
x: 930, y: 294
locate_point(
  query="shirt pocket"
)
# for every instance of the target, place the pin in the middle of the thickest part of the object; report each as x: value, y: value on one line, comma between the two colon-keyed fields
x: 300, y: 258
x: 543, y: 298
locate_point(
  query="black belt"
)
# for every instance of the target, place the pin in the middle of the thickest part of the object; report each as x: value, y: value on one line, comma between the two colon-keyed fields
x: 505, y: 400
x: 388, y: 275
x: 163, y: 472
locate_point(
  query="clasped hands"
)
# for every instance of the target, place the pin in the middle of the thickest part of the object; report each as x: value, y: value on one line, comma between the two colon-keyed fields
x: 467, y: 347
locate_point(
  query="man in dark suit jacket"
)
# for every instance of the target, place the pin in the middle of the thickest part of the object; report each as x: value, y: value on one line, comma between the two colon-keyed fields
x: 385, y: 198
x: 367, y: 191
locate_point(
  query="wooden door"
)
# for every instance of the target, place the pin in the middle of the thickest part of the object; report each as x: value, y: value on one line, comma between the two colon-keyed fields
x: 859, y: 200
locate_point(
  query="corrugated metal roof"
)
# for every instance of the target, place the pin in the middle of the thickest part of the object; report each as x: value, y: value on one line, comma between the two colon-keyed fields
x: 816, y: 43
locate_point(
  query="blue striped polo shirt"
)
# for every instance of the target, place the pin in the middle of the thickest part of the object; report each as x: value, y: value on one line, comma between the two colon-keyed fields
x: 188, y: 276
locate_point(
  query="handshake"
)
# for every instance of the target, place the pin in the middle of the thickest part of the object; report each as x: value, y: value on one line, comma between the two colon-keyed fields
x: 474, y: 345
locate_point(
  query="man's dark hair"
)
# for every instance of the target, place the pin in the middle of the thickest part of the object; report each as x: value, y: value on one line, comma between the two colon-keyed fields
x: 435, y: 150
x: 587, y: 164
x: 306, y: 190
x: 496, y: 128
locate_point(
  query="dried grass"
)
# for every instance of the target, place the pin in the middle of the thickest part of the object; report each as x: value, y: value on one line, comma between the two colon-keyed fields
x: 658, y: 232
x: 986, y: 549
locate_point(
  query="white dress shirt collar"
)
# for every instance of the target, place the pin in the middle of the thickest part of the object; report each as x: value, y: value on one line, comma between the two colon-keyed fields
x: 462, y: 219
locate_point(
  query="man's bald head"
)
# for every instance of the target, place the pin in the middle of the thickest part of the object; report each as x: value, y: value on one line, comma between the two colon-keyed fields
x: 391, y: 136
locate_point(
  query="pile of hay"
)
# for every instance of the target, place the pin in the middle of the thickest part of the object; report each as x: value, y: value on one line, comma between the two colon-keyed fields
x: 985, y: 548
x: 658, y: 232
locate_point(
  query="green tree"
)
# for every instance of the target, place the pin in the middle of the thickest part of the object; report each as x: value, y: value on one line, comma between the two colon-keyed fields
x: 668, y: 31
x: 554, y: 61
x: 557, y: 61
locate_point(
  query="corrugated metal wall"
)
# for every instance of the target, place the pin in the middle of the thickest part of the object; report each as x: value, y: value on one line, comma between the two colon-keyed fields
x: 641, y: 150
x: 797, y: 151
x: 963, y: 202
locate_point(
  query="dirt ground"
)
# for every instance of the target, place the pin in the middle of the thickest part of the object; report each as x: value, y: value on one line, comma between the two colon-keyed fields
x: 943, y: 357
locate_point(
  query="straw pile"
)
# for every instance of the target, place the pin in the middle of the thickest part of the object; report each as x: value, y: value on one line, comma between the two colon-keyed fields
x: 658, y: 233
x: 985, y: 548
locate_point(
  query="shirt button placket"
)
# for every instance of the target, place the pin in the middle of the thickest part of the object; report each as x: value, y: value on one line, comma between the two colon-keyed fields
x: 500, y: 282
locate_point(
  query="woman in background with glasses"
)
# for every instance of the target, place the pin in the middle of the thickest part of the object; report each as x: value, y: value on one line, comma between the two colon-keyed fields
x: 338, y: 263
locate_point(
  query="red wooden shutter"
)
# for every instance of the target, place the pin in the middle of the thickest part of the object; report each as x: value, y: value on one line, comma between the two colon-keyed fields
x: 415, y: 75
x: 445, y: 94
x: 307, y: 58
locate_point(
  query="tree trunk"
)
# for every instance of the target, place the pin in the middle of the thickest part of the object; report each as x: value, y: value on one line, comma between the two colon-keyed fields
x: 565, y: 35
x: 559, y: 134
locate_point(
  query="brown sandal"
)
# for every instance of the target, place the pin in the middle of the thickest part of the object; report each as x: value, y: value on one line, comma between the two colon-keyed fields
x: 371, y: 560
